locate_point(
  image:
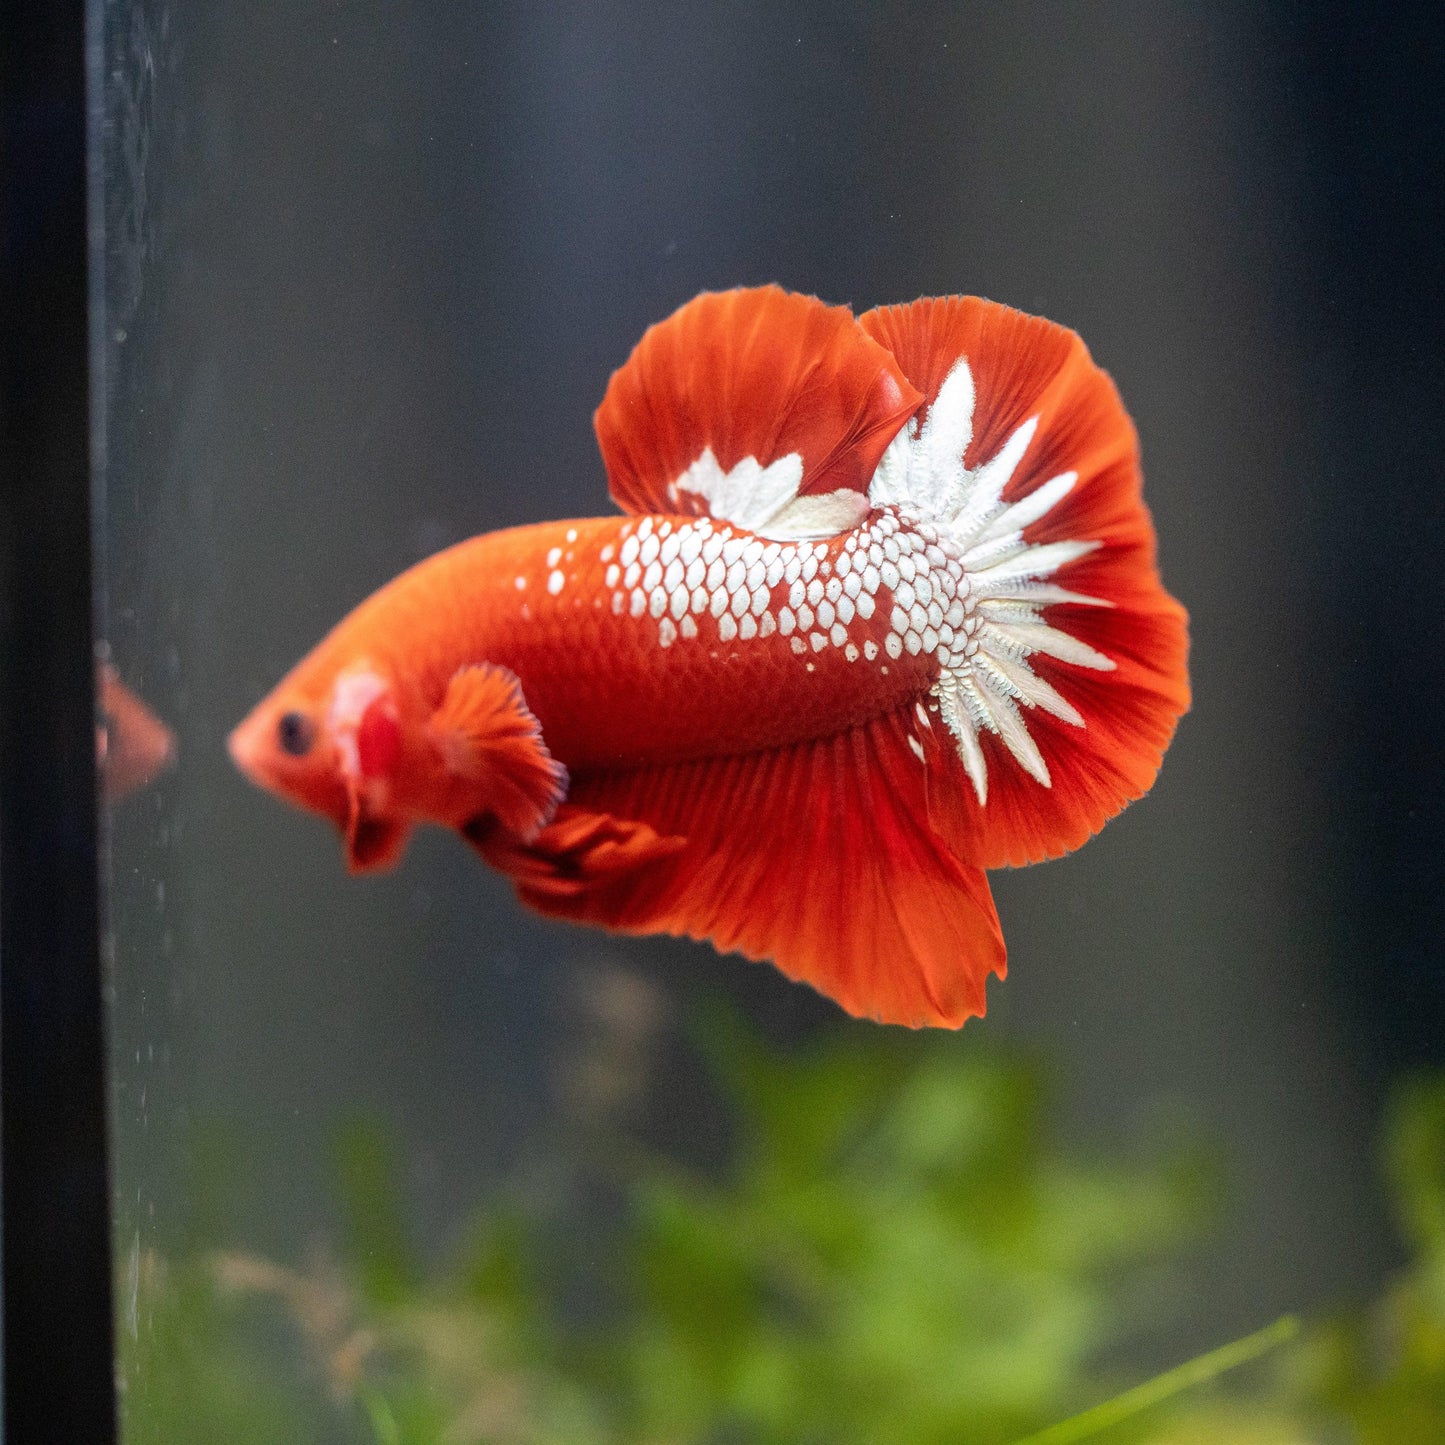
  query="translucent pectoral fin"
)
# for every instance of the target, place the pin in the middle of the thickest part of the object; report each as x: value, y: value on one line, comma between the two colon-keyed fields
x: 492, y: 745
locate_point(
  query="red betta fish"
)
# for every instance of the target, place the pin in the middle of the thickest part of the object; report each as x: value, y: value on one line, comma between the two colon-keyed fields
x: 882, y: 613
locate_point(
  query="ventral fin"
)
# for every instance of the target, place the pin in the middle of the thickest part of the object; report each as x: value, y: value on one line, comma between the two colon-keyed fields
x: 761, y: 407
x: 491, y: 745
x: 1044, y: 466
x: 575, y: 865
x: 373, y: 844
x: 818, y: 857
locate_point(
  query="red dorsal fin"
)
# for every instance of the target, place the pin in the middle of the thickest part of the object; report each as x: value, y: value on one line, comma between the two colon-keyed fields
x: 743, y: 404
x: 1080, y: 675
x: 492, y: 745
x: 817, y: 856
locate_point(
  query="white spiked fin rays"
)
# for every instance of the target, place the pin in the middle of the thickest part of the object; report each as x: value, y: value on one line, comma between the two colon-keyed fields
x: 1023, y: 456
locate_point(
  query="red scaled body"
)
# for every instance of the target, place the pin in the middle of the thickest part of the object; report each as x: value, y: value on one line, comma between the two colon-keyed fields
x: 883, y: 614
x: 606, y: 689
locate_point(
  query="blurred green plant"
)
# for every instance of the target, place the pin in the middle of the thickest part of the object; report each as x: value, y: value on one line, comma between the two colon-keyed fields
x: 894, y: 1249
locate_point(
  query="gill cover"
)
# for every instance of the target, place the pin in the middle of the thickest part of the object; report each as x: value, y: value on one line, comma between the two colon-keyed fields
x: 366, y: 729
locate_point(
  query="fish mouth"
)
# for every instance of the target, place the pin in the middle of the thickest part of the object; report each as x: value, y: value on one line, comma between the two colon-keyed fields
x: 247, y: 748
x: 309, y: 782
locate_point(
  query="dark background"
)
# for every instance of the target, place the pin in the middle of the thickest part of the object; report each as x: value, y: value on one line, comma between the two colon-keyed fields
x: 368, y: 270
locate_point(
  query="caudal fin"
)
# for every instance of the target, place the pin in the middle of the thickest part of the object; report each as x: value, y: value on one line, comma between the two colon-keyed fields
x: 1024, y: 457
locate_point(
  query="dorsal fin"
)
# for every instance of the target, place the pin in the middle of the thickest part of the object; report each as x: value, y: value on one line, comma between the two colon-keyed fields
x: 1025, y: 458
x: 765, y: 408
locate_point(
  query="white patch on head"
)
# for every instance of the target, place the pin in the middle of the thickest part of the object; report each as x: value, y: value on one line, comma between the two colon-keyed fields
x: 555, y: 583
x: 352, y: 693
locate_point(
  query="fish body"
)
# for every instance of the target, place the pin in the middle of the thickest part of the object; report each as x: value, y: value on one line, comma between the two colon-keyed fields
x: 724, y: 642
x: 882, y: 613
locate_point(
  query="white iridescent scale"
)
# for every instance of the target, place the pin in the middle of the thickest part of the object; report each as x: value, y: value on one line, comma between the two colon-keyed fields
x: 933, y: 548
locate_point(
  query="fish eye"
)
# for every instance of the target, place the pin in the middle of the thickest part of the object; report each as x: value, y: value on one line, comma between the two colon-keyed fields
x: 294, y: 733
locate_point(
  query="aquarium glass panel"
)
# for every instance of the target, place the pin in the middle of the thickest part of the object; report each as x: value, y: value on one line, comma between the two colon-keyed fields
x: 401, y: 1158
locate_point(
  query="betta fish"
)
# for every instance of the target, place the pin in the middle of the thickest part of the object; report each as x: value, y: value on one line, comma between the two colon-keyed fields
x: 881, y: 612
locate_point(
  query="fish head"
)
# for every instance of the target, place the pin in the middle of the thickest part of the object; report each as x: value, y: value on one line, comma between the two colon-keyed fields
x: 329, y: 739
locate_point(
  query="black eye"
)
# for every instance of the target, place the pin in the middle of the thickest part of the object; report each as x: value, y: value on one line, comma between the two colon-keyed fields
x: 295, y: 733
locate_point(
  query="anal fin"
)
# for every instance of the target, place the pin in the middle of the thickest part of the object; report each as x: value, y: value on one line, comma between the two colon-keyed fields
x: 817, y: 856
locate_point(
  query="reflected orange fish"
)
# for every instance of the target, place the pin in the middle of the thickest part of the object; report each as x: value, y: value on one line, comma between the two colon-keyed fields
x: 132, y: 744
x: 881, y: 613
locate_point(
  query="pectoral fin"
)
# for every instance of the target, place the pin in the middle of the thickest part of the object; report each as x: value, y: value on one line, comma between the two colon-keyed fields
x: 492, y: 744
